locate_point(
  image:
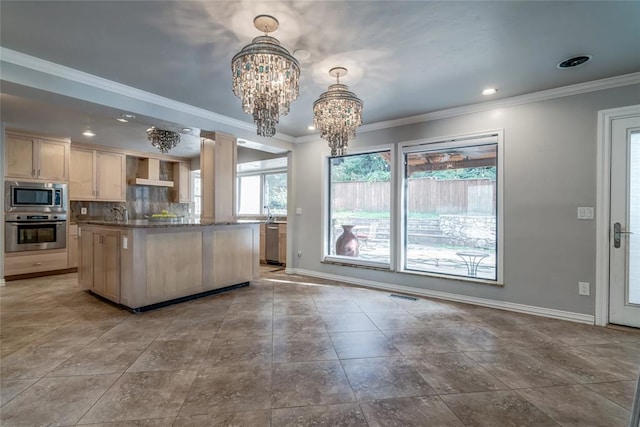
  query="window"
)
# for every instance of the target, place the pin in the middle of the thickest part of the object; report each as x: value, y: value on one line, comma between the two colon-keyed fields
x: 359, y: 208
x: 451, y: 208
x: 257, y: 191
x: 249, y: 202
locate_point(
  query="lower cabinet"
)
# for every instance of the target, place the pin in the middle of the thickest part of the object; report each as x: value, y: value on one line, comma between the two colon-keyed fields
x: 263, y: 243
x: 99, y: 267
x: 72, y: 244
x: 35, y: 261
x: 282, y: 243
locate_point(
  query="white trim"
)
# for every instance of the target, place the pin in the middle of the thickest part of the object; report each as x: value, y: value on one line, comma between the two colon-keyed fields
x: 501, y: 305
x: 603, y: 197
x: 53, y: 69
x: 545, y: 95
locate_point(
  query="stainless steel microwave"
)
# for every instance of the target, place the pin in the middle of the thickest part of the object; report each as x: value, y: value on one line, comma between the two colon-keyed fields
x: 35, y: 197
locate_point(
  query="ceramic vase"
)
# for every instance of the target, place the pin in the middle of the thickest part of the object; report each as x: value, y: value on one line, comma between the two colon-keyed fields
x: 347, y: 243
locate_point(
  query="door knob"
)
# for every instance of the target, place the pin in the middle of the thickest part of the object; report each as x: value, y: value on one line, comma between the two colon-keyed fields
x: 617, y: 234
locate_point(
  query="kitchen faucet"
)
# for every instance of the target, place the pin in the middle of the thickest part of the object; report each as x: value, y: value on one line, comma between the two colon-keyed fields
x: 269, y: 216
x: 122, y: 212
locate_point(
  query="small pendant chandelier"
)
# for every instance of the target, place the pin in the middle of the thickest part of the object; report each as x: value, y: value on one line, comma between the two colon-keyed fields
x: 265, y: 77
x: 337, y: 114
x: 163, y: 140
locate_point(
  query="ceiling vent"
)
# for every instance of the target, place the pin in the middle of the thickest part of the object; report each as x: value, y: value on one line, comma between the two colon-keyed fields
x: 576, y: 61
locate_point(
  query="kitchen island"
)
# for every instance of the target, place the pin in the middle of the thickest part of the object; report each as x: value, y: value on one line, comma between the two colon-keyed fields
x: 144, y: 264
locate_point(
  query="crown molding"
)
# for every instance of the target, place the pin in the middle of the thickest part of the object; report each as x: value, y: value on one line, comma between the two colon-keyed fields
x: 47, y: 67
x: 576, y: 89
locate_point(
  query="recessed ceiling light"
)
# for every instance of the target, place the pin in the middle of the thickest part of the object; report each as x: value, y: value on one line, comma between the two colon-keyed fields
x: 122, y: 120
x: 573, y: 62
x: 186, y: 130
x: 489, y: 91
x: 242, y: 141
x: 127, y: 116
x: 88, y: 133
x: 311, y: 127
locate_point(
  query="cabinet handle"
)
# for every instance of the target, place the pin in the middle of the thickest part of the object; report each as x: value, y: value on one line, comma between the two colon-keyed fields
x: 35, y: 264
x: 38, y: 172
x: 33, y: 172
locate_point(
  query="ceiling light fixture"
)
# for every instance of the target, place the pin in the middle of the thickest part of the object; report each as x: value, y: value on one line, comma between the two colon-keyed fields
x: 337, y: 114
x: 265, y: 77
x: 489, y: 91
x: 122, y: 120
x: 163, y: 140
x: 311, y: 127
x: 88, y: 133
x: 186, y: 130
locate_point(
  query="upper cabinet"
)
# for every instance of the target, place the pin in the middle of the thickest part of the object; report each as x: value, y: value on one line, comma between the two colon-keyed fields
x: 36, y: 158
x: 97, y: 175
x: 182, y: 182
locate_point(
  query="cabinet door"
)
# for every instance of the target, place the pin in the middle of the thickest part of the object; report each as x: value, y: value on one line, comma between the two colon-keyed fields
x: 85, y: 261
x: 282, y: 243
x: 19, y: 157
x: 53, y: 160
x: 111, y: 265
x: 110, y: 176
x: 98, y: 283
x: 82, y: 174
x: 181, y: 182
x: 263, y: 243
x: 72, y: 246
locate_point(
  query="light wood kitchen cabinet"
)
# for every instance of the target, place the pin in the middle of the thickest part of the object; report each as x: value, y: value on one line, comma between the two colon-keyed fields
x: 181, y: 182
x: 263, y: 243
x: 72, y: 245
x: 97, y: 175
x: 34, y: 261
x: 282, y: 243
x: 99, y: 268
x: 36, y: 158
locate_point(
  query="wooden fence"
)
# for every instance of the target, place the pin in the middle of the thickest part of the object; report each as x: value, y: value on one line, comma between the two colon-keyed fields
x: 464, y: 196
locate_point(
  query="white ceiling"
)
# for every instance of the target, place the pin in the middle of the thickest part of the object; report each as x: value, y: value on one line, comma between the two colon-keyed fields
x: 405, y: 58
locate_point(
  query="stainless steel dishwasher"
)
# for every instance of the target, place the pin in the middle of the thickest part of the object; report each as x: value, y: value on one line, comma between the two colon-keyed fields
x: 272, y: 245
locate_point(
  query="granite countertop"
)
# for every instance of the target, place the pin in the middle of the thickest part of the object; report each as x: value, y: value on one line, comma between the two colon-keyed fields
x: 145, y: 223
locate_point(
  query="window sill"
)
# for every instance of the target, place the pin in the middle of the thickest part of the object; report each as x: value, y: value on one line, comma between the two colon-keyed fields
x: 356, y: 263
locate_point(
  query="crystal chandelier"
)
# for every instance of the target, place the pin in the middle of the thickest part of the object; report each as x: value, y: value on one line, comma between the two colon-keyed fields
x: 337, y: 114
x: 163, y: 140
x: 265, y: 77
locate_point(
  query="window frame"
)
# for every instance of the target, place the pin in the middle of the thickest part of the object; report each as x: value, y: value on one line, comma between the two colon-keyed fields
x: 326, y: 257
x: 401, y: 190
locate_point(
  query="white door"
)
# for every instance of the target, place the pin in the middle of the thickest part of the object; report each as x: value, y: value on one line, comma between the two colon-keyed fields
x: 624, y: 246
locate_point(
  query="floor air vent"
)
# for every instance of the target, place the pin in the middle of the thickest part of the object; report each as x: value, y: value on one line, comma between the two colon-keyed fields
x: 404, y: 297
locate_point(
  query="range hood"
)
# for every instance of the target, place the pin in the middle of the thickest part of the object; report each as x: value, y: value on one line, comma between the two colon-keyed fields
x: 149, y: 174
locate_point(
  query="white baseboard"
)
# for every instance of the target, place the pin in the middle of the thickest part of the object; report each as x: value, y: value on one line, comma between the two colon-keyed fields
x: 502, y: 305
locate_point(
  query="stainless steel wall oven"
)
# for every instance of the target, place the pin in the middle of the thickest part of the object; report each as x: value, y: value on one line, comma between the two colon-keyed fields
x: 31, y: 232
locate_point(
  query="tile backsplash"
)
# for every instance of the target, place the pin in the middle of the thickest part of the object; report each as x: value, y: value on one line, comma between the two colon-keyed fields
x: 141, y: 199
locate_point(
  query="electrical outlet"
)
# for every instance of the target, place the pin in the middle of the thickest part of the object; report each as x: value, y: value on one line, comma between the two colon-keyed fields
x: 83, y: 211
x: 583, y: 288
x: 299, y: 254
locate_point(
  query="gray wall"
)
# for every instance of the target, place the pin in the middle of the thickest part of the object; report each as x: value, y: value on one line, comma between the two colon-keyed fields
x: 546, y: 249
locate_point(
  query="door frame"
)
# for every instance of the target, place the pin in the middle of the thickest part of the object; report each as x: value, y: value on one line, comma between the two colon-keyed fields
x: 603, y: 197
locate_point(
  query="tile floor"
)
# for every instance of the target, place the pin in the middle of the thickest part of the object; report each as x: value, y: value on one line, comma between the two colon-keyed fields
x: 290, y: 350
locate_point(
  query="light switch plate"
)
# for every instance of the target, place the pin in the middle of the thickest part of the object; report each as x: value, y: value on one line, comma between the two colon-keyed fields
x: 585, y: 212
x: 298, y: 211
x: 83, y: 211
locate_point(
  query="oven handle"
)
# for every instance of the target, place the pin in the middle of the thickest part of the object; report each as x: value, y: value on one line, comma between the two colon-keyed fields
x: 36, y: 222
